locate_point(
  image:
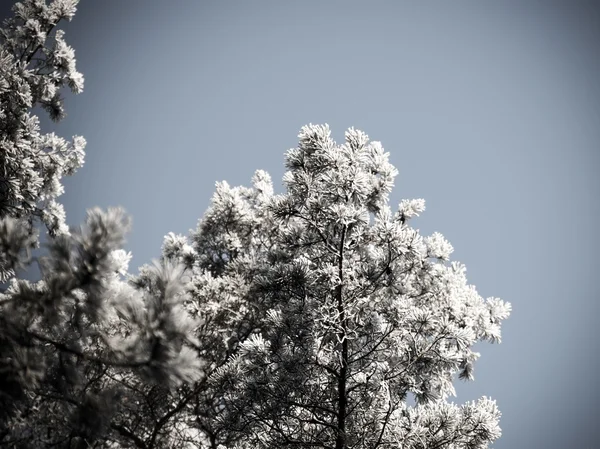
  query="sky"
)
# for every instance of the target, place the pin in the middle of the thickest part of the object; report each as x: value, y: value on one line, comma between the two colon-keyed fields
x: 490, y: 111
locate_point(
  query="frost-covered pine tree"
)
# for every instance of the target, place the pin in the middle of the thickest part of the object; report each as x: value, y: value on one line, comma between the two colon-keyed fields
x: 340, y: 310
x: 70, y: 341
x: 35, y: 64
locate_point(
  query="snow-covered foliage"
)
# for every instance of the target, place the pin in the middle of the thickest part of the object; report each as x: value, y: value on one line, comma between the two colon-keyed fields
x: 70, y: 339
x: 35, y: 64
x: 70, y: 342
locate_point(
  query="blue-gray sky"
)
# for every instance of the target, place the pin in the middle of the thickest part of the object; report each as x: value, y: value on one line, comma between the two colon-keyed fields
x: 490, y: 110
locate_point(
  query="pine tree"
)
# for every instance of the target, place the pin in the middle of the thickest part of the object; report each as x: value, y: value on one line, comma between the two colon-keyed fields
x: 352, y: 310
x: 35, y: 64
x: 70, y: 341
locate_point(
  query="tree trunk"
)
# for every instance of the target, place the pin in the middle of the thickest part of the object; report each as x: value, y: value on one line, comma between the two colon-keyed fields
x: 340, y: 442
